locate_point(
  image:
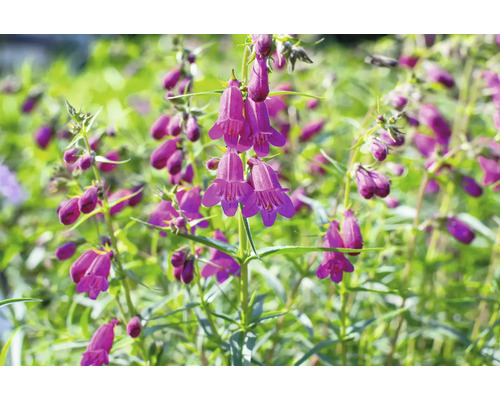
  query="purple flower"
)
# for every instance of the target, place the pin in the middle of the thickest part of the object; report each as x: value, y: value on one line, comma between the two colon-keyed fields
x: 399, y: 102
x: 261, y: 132
x: 315, y: 165
x: 230, y: 122
x: 67, y: 250
x: 136, y: 199
x: 174, y: 163
x: 94, y: 142
x: 425, y: 144
x: 334, y: 264
x: 412, y: 121
x: 159, y: 128
x: 432, y: 187
x: 191, y: 58
x: 159, y: 157
x: 396, y: 140
x: 365, y: 183
x: 189, y: 204
x: 10, y: 187
x: 351, y: 232
x: 263, y: 44
x: 311, y: 129
x: 430, y: 116
x: 134, y: 327
x: 81, y: 265
x: 185, y: 85
x: 179, y: 258
x: 95, y: 278
x: 188, y: 174
x: 382, y: 184
x: 298, y: 204
x: 258, y: 83
x: 379, y: 150
x: 391, y: 202
x: 28, y: 104
x: 492, y: 81
x: 459, y: 230
x: 192, y: 129
x: 408, y: 61
x: 115, y: 209
x: 185, y: 272
x: 441, y: 76
x: 224, y: 263
x: 429, y: 39
x: 88, y: 201
x: 43, y: 135
x: 312, y: 104
x: 212, y: 164
x: 68, y: 211
x: 471, y: 186
x: 84, y: 162
x: 396, y: 169
x: 496, y: 120
x: 230, y: 188
x: 275, y: 104
x: 163, y: 214
x: 174, y: 127
x: 491, y: 170
x: 268, y: 198
x: 70, y: 156
x: 171, y: 78
x: 100, y: 345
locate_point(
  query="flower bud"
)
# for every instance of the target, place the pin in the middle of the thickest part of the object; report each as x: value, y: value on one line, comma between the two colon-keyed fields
x: 382, y: 184
x: 188, y: 174
x: 460, y: 230
x: 311, y: 129
x: 395, y: 169
x: 28, y: 104
x: 134, y: 200
x: 399, y: 102
x: 134, y: 327
x: 171, y: 78
x: 179, y: 223
x: 471, y: 186
x: 395, y: 140
x: 94, y: 142
x: 178, y: 273
x: 391, y: 202
x: 351, y: 233
x: 159, y: 128
x: 258, y: 83
x: 365, y: 183
x: 212, y: 164
x: 408, y: 61
x: 379, y: 150
x: 43, y: 136
x: 441, y: 76
x: 105, y: 241
x: 263, y: 44
x: 108, y: 167
x: 312, y: 104
x: 88, y: 201
x: 188, y: 272
x: 162, y: 153
x: 85, y: 162
x: 174, y: 127
x: 174, y: 163
x: 69, y: 211
x: 178, y: 258
x: 432, y: 187
x: 70, y: 156
x: 192, y: 129
x: 67, y: 250
x: 185, y: 85
x: 191, y: 58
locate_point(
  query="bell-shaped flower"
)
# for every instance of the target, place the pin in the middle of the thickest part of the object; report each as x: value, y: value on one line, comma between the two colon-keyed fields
x: 460, y: 230
x: 471, y: 186
x: 221, y: 264
x: 159, y: 157
x: 163, y: 214
x: 69, y: 211
x: 351, y: 233
x: 430, y: 116
x: 258, y: 83
x: 491, y: 170
x: 134, y: 327
x: 365, y: 183
x: 171, y: 78
x: 67, y: 250
x: 81, y: 265
x: 95, y: 279
x: 88, y: 201
x: 189, y: 204
x: 159, y: 128
x: 100, y: 345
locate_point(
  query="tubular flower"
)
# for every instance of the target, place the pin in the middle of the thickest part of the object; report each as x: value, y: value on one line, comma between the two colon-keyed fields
x: 171, y: 78
x: 174, y: 163
x: 100, y: 345
x: 491, y: 170
x: 81, y: 265
x: 192, y: 129
x: 460, y: 230
x: 441, y: 76
x: 263, y: 44
x: 269, y: 197
x: 334, y: 264
x: 163, y: 214
x: 88, y: 201
x: 261, y: 132
x: 365, y: 183
x: 174, y: 126
x: 382, y: 184
x: 396, y: 140
x: 471, y: 186
x: 121, y: 204
x: 43, y: 135
x: 189, y: 204
x: 222, y: 264
x: 408, y: 61
x: 70, y: 156
x: 230, y: 188
x: 430, y: 116
x: 230, y: 123
x: 311, y: 129
x: 107, y: 167
x: 159, y: 157
x: 379, y: 150
x: 159, y: 128
x: 391, y: 202
x: 134, y: 327
x: 84, y: 162
x: 67, y: 250
x: 95, y: 279
x: 432, y: 187
x: 351, y: 232
x: 425, y: 144
x: 258, y: 83
x: 399, y: 102
x: 68, y: 211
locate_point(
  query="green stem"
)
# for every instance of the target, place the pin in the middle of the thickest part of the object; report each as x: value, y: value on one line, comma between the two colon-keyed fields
x: 244, y: 66
x: 242, y: 253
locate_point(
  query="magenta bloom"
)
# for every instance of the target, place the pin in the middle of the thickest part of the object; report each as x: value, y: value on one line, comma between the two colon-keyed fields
x: 471, y: 186
x: 225, y: 263
x: 263, y: 44
x: 70, y: 156
x: 261, y: 132
x: 268, y: 198
x: 311, y: 129
x: 258, y: 83
x: 159, y: 157
x: 298, y: 204
x: 396, y: 140
x: 121, y: 204
x: 81, y: 265
x: 212, y: 164
x: 230, y: 188
x: 365, y: 183
x: 460, y: 230
x: 379, y: 150
x: 94, y: 142
x: 68, y: 211
x: 396, y: 169
x: 351, y: 232
x: 188, y: 174
x: 100, y: 345
x: 28, y: 104
x: 391, y: 202
x: 174, y: 163
x: 163, y: 214
x: 189, y: 204
x: 432, y: 187
x: 275, y: 104
x: 43, y: 135
x: 315, y: 166
x: 192, y: 129
x: 95, y: 278
x: 185, y: 85
x: 382, y: 184
x: 230, y: 122
x: 334, y: 264
x: 441, y: 76
x: 159, y: 128
x: 491, y: 170
x: 134, y: 327
x: 84, y: 162
x: 408, y: 61
x: 174, y: 126
x: 430, y: 116
x: 133, y: 201
x: 67, y: 250
x: 88, y: 201
x: 171, y: 78
x: 185, y: 272
x: 399, y: 102
x: 312, y: 104
x: 179, y: 258
x: 425, y: 144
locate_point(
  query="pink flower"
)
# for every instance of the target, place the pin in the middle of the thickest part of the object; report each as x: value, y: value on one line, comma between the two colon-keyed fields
x: 391, y: 202
x: 230, y: 123
x: 334, y: 264
x: 88, y: 201
x: 192, y: 129
x: 311, y: 129
x: 491, y: 169
x: 163, y: 214
x: 160, y: 156
x: 425, y: 144
x: 134, y: 327
x: 230, y: 188
x: 224, y: 263
x: 174, y: 126
x: 365, y: 183
x: 69, y: 211
x: 189, y: 204
x: 159, y: 128
x: 100, y: 345
x: 171, y: 78
x: 269, y: 197
x: 107, y: 167
x: 95, y: 279
x: 70, y: 156
x: 121, y: 204
x: 174, y: 163
x: 430, y: 116
x: 441, y: 76
x: 67, y: 250
x: 81, y: 265
x: 351, y: 232
x: 258, y: 83
x: 312, y: 104
x: 263, y: 44
x: 408, y: 61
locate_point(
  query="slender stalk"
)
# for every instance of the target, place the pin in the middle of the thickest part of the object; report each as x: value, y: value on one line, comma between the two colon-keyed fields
x: 242, y: 253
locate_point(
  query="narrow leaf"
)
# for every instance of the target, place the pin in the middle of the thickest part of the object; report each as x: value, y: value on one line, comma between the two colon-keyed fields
x: 20, y: 300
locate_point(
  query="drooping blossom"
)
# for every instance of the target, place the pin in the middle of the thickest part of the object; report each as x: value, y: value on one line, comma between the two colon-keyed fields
x: 311, y: 129
x: 100, y: 345
x: 262, y: 44
x: 67, y: 250
x: 174, y: 127
x: 95, y: 278
x: 268, y: 198
x: 192, y: 129
x: 471, y: 186
x: 391, y: 202
x: 174, y: 162
x: 312, y: 104
x: 230, y: 123
x: 333, y: 264
x: 425, y: 144
x: 258, y: 83
x: 315, y: 166
x: 396, y: 140
x: 399, y: 101
x: 432, y: 187
x: 408, y: 61
x: 88, y: 201
x: 159, y: 128
x: 351, y: 233
x: 221, y: 264
x: 366, y: 185
x: 298, y: 204
x: 230, y: 187
x: 84, y: 162
x: 460, y: 230
x: 121, y: 204
x: 134, y: 327
x: 382, y: 184
x: 163, y: 214
x: 189, y: 205
x: 171, y: 78
x: 441, y: 76
x: 69, y: 211
x: 261, y: 132
x: 159, y: 157
x: 70, y: 156
x: 43, y: 135
x: 491, y: 170
x: 379, y: 150
x: 431, y: 117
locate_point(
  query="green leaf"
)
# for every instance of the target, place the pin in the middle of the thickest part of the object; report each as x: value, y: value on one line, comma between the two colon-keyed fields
x: 3, y: 353
x: 315, y: 349
x: 306, y: 322
x: 250, y: 239
x: 241, y: 346
x: 269, y: 315
x: 272, y: 280
x: 104, y: 160
x: 270, y: 251
x: 19, y: 300
x: 281, y: 92
x: 360, y: 326
x: 210, y: 92
x: 186, y: 307
x: 132, y: 274
x: 214, y: 243
x: 91, y: 122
